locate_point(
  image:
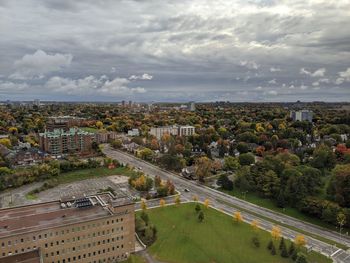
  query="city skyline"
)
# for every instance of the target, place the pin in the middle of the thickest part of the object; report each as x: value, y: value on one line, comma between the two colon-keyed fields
x: 258, y: 51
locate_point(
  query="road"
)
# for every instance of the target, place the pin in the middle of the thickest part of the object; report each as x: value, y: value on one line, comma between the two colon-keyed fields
x: 227, y: 204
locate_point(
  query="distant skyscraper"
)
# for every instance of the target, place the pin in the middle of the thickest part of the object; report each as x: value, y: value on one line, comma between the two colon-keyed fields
x: 36, y: 102
x: 192, y: 106
x: 123, y: 103
x: 130, y: 103
x: 302, y: 115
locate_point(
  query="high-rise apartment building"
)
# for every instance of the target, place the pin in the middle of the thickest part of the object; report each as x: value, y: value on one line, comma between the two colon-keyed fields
x: 175, y: 130
x: 302, y: 115
x: 91, y: 229
x: 59, y: 141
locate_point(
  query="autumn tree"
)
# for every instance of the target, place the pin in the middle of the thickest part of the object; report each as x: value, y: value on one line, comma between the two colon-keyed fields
x: 162, y: 202
x: 99, y: 124
x: 206, y: 203
x: 237, y: 217
x: 143, y: 205
x: 177, y: 200
x: 255, y: 225
x: 339, y: 186
x: 276, y: 232
x: 300, y: 240
x: 202, y: 168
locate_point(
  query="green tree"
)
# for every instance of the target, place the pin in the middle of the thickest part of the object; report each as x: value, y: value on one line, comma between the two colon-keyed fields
x: 231, y: 163
x: 323, y: 158
x: 246, y: 159
x: 201, y: 216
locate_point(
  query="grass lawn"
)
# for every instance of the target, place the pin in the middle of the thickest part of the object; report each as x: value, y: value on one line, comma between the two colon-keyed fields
x: 80, y: 175
x: 90, y: 129
x: 290, y: 211
x: 135, y: 259
x: 182, y: 239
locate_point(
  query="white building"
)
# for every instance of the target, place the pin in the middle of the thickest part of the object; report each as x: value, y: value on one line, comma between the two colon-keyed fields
x: 172, y: 130
x: 134, y: 132
x: 302, y: 115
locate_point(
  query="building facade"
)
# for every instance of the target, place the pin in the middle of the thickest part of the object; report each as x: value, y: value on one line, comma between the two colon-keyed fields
x: 302, y: 115
x: 59, y: 141
x: 172, y: 130
x: 64, y: 122
x: 91, y: 229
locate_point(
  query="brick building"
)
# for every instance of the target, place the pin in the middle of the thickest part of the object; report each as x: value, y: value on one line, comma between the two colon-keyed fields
x: 59, y: 141
x: 91, y: 229
x: 64, y: 122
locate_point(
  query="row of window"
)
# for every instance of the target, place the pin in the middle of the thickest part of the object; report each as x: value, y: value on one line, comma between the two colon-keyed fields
x: 63, y: 251
x: 68, y: 250
x: 79, y: 257
x: 63, y: 232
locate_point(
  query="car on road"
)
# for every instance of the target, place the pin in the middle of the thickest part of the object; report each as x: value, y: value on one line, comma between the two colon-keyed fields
x: 186, y: 190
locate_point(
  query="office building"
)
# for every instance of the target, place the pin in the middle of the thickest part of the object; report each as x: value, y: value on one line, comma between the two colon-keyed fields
x: 192, y: 106
x: 59, y: 141
x: 302, y: 115
x: 91, y: 229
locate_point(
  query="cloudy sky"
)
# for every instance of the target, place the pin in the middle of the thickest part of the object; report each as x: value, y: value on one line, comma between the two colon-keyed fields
x: 166, y: 50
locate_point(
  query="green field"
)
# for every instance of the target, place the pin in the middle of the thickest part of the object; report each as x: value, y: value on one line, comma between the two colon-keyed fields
x: 182, y: 239
x: 290, y: 211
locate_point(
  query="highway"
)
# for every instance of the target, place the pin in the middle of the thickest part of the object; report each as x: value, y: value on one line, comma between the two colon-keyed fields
x: 228, y: 204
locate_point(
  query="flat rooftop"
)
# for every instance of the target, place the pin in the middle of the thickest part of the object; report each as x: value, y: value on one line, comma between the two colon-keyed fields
x: 25, y: 219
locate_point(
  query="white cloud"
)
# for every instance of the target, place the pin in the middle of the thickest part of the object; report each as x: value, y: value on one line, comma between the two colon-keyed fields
x: 92, y: 86
x: 273, y: 69
x: 249, y: 64
x: 258, y: 88
x: 318, y: 73
x: 272, y: 81
x: 113, y: 70
x: 345, y: 75
x: 315, y: 83
x: 339, y: 81
x: 144, y: 76
x: 303, y: 87
x: 272, y: 92
x: 324, y: 80
x: 40, y: 63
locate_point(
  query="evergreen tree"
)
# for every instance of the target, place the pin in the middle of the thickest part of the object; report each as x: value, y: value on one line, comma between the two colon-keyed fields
x: 295, y: 255
x: 198, y: 208
x: 200, y: 216
x: 269, y: 246
x: 291, y: 249
x: 273, y: 250
x: 301, y: 258
x: 284, y: 252
x: 282, y: 244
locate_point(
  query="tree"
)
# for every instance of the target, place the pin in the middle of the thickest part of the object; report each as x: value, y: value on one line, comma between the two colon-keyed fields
x: 144, y: 217
x: 6, y: 142
x: 255, y: 225
x: 197, y: 208
x: 301, y: 258
x: 340, y: 184
x: 281, y: 202
x: 206, y: 203
x: 273, y: 249
x: 201, y: 216
x: 323, y: 158
x: 282, y: 243
x: 177, y: 200
x: 276, y: 232
x: 341, y: 219
x: 99, y: 124
x: 242, y: 147
x: 146, y: 154
x: 117, y: 144
x: 237, y: 217
x: 300, y: 240
x: 255, y: 241
x: 202, y: 168
x: 162, y: 202
x: 231, y: 163
x: 225, y: 182
x: 157, y: 181
x: 291, y: 249
x: 269, y: 245
x: 246, y: 159
x: 143, y: 205
x: 195, y: 198
x: 284, y: 252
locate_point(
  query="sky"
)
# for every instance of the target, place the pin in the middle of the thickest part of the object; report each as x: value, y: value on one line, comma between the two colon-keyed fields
x: 183, y: 50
